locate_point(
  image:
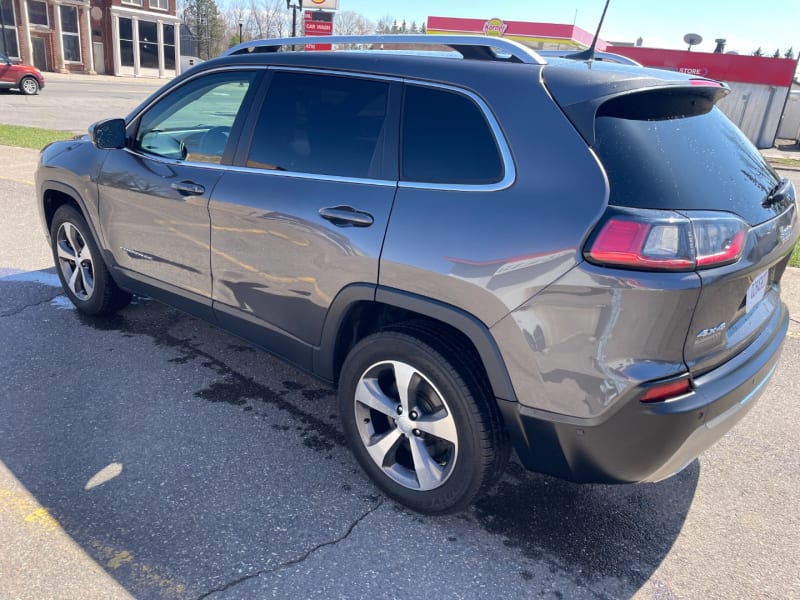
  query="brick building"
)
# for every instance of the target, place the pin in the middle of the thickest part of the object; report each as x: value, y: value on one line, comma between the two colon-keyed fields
x: 119, y: 37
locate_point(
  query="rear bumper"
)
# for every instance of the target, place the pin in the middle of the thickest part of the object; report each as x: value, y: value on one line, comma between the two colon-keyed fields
x: 648, y: 442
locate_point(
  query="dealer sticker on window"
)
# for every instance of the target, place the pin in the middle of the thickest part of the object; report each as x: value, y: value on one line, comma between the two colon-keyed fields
x: 756, y: 291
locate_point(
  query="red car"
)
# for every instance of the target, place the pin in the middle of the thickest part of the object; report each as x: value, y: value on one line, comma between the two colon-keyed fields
x: 26, y: 78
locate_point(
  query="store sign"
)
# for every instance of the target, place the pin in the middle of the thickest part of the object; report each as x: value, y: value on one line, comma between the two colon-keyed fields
x: 327, y: 4
x: 494, y: 28
x: 318, y: 23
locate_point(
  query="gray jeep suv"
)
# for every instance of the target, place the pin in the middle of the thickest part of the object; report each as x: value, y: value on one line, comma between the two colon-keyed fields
x: 480, y: 248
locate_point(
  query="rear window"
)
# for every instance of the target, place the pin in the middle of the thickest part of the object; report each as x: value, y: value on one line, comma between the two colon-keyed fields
x: 687, y: 162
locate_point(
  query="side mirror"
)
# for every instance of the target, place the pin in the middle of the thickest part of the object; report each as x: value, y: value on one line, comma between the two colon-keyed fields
x: 108, y: 134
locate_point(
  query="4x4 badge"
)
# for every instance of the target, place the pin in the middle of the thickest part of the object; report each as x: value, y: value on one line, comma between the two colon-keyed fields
x: 712, y: 330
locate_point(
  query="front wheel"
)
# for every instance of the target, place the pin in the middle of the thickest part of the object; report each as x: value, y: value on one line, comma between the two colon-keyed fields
x: 420, y: 424
x: 29, y: 86
x: 81, y: 269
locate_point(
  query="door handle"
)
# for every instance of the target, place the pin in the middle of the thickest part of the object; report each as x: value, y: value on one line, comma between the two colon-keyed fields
x: 344, y: 216
x: 188, y: 188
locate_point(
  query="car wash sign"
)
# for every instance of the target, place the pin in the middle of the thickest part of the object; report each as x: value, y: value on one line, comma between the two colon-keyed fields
x: 318, y: 23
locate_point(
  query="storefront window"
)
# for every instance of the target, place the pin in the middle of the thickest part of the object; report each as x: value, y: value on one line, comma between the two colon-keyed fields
x: 70, y: 34
x: 148, y: 44
x: 37, y: 13
x: 126, y: 42
x: 169, y: 47
x: 8, y: 39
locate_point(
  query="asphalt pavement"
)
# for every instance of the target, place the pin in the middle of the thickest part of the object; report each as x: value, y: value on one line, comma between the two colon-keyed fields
x: 151, y: 455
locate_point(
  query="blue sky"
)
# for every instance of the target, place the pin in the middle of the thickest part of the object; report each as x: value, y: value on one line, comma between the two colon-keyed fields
x: 746, y: 25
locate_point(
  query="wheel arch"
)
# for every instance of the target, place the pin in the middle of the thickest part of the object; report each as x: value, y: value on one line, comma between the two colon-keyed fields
x: 54, y: 196
x: 362, y: 309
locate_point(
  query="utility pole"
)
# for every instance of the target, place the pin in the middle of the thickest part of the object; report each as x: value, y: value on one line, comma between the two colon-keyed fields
x: 295, y: 8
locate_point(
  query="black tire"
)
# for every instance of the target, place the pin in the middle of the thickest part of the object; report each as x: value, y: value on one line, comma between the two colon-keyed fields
x: 29, y: 86
x: 83, y: 274
x: 425, y: 472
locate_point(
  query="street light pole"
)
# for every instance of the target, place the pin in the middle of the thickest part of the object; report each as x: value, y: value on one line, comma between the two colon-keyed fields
x: 241, y: 24
x: 295, y: 8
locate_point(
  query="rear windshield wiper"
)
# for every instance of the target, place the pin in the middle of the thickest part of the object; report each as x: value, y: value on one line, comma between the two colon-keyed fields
x: 778, y: 194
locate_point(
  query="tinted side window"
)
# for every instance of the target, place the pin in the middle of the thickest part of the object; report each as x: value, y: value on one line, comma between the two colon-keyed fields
x: 321, y: 124
x: 446, y: 139
x: 193, y: 122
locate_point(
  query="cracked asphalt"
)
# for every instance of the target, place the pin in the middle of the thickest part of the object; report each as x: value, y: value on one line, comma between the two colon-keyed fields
x: 151, y: 455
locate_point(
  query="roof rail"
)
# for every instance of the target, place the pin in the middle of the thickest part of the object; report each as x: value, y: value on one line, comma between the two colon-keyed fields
x: 606, y: 56
x: 473, y: 47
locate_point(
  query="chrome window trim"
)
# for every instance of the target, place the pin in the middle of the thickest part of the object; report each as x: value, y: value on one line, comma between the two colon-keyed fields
x: 334, y: 72
x: 258, y: 171
x: 314, y: 176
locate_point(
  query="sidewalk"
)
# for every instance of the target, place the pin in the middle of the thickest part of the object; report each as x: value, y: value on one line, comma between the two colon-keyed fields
x: 155, y: 82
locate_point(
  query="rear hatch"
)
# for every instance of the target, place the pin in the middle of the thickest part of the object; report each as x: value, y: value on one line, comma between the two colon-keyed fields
x: 675, y: 161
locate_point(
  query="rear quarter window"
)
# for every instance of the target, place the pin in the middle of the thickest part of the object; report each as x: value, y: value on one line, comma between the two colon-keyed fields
x: 446, y: 139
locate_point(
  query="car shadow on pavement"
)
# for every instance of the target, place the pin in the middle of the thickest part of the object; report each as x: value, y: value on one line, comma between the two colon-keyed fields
x: 180, y: 458
x: 593, y: 531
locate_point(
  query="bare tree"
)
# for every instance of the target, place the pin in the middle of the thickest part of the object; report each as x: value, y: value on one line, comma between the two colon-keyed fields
x: 268, y: 19
x: 349, y: 22
x: 237, y: 12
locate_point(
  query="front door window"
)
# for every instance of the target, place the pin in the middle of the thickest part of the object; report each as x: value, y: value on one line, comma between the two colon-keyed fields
x: 194, y: 122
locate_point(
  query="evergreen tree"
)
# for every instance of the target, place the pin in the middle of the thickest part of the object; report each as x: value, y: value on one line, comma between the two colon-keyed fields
x: 203, y: 19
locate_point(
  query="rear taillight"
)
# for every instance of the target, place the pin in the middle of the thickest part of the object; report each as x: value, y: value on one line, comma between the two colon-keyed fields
x: 718, y: 240
x: 666, y: 241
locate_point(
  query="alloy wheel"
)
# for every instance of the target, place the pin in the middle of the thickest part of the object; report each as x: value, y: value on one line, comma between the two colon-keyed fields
x: 29, y: 86
x: 75, y: 261
x: 405, y: 425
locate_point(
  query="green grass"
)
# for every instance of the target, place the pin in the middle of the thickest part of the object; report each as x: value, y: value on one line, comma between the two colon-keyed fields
x: 795, y: 260
x: 784, y: 162
x: 30, y: 137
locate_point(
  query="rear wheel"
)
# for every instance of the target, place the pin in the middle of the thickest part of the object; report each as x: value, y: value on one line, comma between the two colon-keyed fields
x: 81, y: 269
x: 29, y: 86
x: 420, y: 425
